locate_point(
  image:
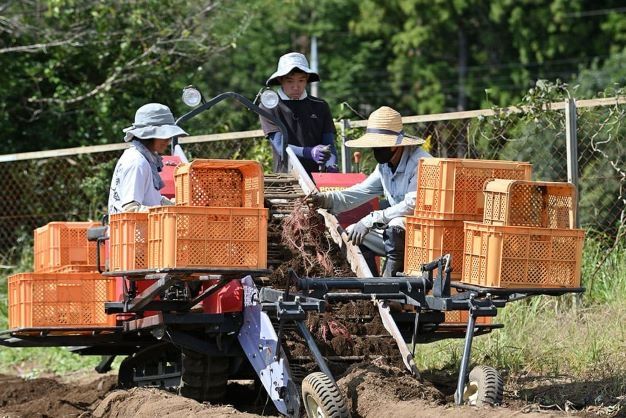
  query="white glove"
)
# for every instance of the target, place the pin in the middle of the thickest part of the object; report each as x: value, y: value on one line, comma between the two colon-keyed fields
x: 134, y: 206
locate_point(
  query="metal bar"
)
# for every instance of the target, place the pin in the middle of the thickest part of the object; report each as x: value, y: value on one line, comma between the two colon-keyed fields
x: 319, y: 359
x: 365, y: 296
x: 467, y: 348
x: 147, y: 295
x: 403, y: 284
x: 572, y: 149
x: 557, y: 291
x: 345, y: 151
x: 208, y: 292
x: 105, y: 364
x: 415, y: 329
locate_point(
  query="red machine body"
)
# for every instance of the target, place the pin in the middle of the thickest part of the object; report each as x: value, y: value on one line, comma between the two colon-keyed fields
x: 170, y: 162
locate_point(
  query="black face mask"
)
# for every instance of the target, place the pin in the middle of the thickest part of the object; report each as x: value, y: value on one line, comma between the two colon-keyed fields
x: 383, y: 155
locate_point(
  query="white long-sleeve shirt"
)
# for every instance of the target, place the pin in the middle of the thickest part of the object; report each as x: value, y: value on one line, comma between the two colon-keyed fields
x: 132, y: 181
x: 399, y: 188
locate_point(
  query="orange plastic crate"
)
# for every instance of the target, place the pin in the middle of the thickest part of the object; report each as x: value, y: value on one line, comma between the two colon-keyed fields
x: 61, y: 244
x: 59, y: 300
x: 77, y: 269
x: 530, y: 203
x: 522, y: 257
x: 428, y: 239
x: 220, y: 183
x: 128, y: 238
x: 451, y: 188
x: 190, y: 236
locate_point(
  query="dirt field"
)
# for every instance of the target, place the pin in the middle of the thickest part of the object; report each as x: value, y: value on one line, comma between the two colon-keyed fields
x: 372, y: 390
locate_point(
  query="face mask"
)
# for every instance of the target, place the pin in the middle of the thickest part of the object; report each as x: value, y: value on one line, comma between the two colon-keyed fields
x: 383, y: 155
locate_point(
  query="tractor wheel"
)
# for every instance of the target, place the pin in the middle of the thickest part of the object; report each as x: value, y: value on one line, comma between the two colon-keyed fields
x: 204, y: 377
x: 485, y: 387
x: 322, y: 398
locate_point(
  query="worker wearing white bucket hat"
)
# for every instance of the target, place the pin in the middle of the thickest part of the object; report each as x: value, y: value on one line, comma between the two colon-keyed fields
x: 309, y: 123
x: 382, y: 232
x: 136, y: 181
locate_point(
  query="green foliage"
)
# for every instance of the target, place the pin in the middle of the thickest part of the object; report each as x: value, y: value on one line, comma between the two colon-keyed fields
x: 74, y: 73
x: 31, y: 362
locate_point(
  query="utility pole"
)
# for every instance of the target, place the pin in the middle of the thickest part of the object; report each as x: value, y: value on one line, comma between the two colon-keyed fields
x: 314, y: 86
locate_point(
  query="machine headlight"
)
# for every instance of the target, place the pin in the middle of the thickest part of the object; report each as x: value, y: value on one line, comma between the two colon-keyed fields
x: 192, y: 96
x: 269, y: 98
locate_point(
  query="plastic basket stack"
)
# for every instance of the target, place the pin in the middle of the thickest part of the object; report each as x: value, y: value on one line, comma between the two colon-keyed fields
x: 65, y: 290
x: 218, y: 222
x: 449, y: 192
x: 527, y: 237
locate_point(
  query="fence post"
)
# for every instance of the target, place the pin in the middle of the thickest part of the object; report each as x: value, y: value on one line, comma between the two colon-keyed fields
x: 572, y: 147
x: 345, y: 152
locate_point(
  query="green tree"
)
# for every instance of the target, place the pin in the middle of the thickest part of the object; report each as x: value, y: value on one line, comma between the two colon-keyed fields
x: 74, y: 72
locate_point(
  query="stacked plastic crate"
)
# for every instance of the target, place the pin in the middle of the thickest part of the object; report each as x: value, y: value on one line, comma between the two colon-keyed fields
x: 449, y: 192
x: 65, y: 289
x: 527, y: 238
x: 218, y: 222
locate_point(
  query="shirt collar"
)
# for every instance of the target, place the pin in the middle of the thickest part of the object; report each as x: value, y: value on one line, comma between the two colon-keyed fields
x: 401, y: 167
x: 283, y: 96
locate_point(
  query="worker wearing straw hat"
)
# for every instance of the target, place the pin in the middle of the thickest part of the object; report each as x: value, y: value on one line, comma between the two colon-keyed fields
x: 382, y: 232
x: 309, y: 123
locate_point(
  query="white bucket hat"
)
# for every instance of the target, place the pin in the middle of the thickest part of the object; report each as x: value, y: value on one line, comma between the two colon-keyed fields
x: 153, y: 120
x: 287, y: 63
x: 384, y: 129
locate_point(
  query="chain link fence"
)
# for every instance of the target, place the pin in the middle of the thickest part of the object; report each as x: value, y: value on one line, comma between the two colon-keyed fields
x: 75, y: 187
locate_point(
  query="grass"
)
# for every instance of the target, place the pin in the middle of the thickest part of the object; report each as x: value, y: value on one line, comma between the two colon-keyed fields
x: 581, y: 337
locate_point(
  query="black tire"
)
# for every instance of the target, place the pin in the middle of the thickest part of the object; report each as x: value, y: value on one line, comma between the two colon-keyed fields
x: 204, y: 378
x: 322, y: 397
x: 485, y: 387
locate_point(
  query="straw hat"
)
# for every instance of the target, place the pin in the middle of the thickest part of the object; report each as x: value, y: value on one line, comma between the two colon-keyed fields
x: 153, y: 120
x: 287, y: 63
x: 384, y: 129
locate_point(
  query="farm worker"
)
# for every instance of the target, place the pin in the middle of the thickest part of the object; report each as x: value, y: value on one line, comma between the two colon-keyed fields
x: 308, y: 120
x: 136, y: 181
x: 382, y: 231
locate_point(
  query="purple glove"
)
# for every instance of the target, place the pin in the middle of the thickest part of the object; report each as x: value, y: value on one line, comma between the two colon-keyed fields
x: 320, y: 154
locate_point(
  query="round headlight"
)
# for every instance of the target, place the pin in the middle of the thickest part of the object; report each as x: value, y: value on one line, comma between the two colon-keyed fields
x: 269, y: 98
x: 192, y: 96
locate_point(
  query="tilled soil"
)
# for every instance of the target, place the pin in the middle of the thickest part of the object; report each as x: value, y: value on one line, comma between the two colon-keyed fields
x: 373, y: 389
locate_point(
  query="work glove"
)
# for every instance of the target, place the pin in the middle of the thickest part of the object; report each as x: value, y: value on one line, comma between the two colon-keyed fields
x: 358, y: 233
x: 167, y: 202
x: 320, y: 154
x: 319, y: 200
x: 134, y: 206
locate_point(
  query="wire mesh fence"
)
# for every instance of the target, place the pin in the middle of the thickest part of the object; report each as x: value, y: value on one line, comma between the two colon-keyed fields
x: 75, y: 187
